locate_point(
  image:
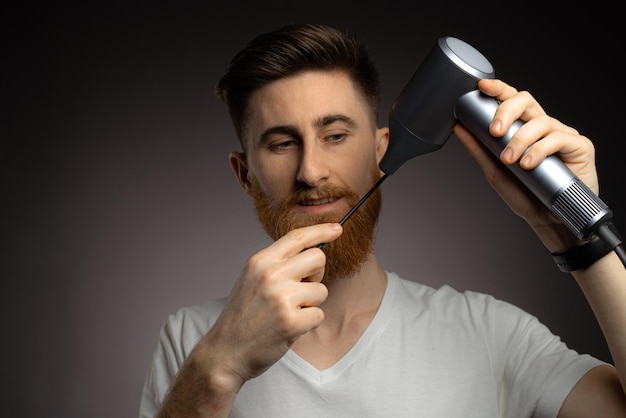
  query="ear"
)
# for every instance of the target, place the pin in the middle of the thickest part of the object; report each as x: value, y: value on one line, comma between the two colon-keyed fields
x: 382, y: 142
x: 240, y: 167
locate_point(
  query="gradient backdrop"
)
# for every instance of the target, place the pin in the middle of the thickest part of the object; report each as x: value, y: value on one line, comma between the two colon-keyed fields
x: 119, y: 204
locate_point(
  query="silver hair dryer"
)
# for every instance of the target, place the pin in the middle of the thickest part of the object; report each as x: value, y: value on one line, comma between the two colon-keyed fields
x: 444, y: 91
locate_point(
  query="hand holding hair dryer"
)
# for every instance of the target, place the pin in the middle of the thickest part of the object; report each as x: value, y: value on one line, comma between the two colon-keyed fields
x: 444, y: 91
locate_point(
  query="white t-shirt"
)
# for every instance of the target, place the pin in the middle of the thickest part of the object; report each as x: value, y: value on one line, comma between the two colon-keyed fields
x: 427, y: 353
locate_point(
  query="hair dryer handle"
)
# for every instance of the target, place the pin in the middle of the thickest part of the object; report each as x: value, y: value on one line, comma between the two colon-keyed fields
x: 551, y: 181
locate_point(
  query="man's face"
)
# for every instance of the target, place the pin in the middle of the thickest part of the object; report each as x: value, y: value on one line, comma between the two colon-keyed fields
x: 312, y: 152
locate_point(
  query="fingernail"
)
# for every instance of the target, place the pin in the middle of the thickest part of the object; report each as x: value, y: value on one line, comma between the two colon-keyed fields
x: 507, y: 154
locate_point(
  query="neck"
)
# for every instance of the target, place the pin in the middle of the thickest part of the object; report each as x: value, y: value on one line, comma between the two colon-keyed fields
x: 351, y: 295
x: 351, y: 304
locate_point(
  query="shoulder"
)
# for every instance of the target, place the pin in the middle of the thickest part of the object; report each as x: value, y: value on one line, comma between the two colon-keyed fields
x: 424, y: 292
x: 449, y: 301
x: 189, y: 323
x: 200, y: 313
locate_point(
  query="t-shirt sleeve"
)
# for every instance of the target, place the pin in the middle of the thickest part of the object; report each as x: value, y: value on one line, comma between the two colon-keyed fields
x: 538, y: 368
x: 177, y: 338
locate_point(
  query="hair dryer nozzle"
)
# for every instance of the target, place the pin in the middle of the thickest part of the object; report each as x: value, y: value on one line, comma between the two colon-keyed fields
x: 422, y: 117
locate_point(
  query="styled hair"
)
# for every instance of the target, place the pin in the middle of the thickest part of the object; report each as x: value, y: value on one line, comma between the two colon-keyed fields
x: 288, y: 51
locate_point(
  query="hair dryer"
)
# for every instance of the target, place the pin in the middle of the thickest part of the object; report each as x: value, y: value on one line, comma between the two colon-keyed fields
x: 444, y: 91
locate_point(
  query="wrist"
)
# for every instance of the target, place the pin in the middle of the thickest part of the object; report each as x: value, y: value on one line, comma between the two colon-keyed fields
x: 556, y: 237
x: 605, y: 239
x: 582, y: 256
x: 203, y: 387
x: 215, y: 364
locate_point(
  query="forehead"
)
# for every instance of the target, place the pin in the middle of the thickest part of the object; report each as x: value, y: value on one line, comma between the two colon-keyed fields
x: 301, y: 99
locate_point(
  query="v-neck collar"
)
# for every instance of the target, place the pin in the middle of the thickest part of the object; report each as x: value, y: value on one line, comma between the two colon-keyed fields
x: 378, y: 322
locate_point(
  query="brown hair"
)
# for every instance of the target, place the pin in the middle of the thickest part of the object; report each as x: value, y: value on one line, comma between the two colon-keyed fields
x: 288, y: 51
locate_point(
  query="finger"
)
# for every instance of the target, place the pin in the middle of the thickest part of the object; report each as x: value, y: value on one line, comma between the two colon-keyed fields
x: 308, y: 318
x: 297, y: 295
x: 297, y: 240
x: 307, y: 266
x: 313, y: 294
x: 572, y: 148
x: 497, y: 88
x: 513, y: 105
x: 532, y: 134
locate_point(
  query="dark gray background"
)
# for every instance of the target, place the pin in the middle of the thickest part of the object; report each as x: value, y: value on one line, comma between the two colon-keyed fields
x: 119, y: 205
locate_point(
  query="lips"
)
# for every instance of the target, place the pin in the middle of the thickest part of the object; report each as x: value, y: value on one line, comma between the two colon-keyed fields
x: 317, y: 202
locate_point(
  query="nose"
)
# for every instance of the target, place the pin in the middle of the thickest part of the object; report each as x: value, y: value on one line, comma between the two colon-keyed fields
x: 313, y: 169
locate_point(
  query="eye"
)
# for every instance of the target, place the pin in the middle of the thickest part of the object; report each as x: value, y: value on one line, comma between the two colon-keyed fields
x: 335, y: 137
x: 283, y: 145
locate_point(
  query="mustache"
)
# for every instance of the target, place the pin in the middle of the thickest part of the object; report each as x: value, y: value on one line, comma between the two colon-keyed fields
x: 303, y: 193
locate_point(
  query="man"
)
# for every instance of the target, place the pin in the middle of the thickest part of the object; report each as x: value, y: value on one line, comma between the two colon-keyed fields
x: 327, y: 332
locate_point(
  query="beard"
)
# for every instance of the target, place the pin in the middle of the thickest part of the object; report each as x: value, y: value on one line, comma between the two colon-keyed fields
x: 346, y: 254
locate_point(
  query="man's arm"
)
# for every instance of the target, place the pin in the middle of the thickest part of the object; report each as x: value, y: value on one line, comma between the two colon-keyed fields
x: 604, y: 282
x: 600, y: 393
x: 204, y: 387
x: 269, y: 307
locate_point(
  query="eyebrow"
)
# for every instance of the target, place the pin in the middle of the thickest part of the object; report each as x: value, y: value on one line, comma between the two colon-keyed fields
x: 318, y: 123
x: 281, y: 129
x: 329, y: 119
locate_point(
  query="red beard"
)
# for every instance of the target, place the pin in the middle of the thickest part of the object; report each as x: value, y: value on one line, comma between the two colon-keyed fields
x: 345, y: 255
